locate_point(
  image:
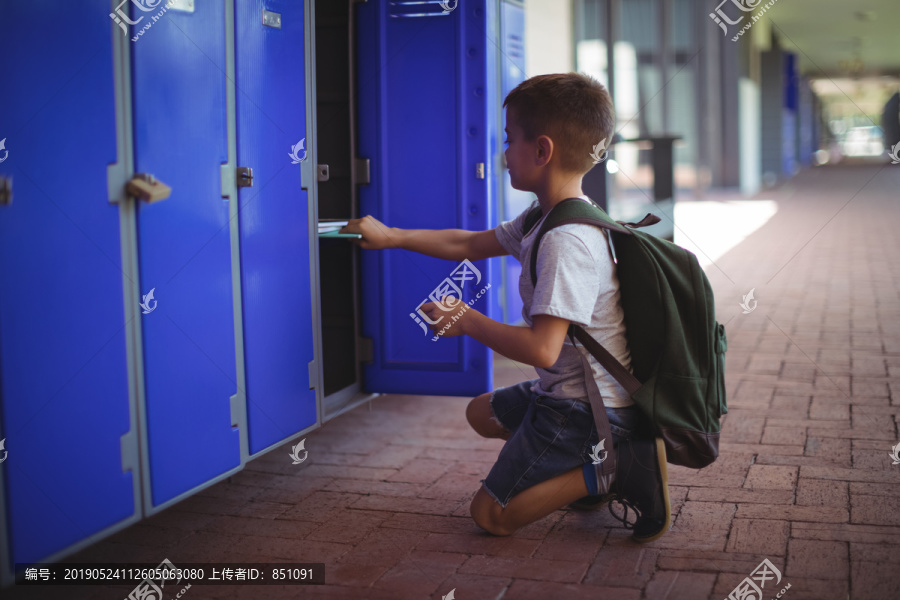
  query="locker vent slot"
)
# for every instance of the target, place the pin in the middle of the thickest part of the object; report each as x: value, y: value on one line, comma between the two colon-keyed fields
x: 514, y: 47
x: 422, y: 8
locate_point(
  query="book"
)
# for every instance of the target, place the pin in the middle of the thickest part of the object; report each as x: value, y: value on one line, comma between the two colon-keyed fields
x: 335, y: 234
x: 332, y: 227
x: 331, y: 224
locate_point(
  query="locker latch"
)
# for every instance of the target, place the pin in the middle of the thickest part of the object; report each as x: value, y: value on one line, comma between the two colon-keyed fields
x: 271, y: 19
x: 479, y: 170
x: 148, y: 188
x: 244, y: 177
x: 5, y: 191
x: 321, y: 172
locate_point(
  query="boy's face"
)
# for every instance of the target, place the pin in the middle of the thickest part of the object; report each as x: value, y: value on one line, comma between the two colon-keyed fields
x: 520, y: 155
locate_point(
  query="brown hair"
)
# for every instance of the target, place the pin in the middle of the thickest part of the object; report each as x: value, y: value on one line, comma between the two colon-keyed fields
x: 573, y: 109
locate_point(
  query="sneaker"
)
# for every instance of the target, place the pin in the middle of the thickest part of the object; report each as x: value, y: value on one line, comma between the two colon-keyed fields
x: 592, y: 502
x: 641, y: 485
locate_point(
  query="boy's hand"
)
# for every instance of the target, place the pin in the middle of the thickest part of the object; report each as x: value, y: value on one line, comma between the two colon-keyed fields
x: 375, y: 234
x: 453, y: 307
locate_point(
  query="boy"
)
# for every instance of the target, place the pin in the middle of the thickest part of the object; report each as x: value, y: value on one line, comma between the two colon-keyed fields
x: 553, y: 123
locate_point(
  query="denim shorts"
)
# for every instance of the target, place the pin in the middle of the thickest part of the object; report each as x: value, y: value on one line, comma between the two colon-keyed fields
x: 548, y: 437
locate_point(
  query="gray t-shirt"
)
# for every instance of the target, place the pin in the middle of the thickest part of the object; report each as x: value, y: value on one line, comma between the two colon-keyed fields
x: 576, y: 281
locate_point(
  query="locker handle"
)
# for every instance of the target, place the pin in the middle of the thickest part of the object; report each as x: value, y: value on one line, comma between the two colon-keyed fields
x: 148, y: 188
x: 5, y: 190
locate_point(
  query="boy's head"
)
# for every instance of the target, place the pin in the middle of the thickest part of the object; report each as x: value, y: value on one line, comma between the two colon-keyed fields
x: 571, y: 109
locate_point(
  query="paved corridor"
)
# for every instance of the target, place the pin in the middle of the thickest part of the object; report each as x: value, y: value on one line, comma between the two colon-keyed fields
x: 804, y: 478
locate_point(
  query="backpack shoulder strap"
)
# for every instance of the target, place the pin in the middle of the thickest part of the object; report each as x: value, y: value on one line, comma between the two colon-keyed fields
x: 531, y: 219
x: 572, y: 210
x: 575, y: 210
x: 607, y: 360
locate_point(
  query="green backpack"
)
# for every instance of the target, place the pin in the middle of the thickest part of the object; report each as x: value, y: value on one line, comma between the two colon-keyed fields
x: 677, y: 346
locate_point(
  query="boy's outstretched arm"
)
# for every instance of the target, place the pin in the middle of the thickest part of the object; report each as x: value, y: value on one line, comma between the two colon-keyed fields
x: 538, y: 345
x: 449, y: 244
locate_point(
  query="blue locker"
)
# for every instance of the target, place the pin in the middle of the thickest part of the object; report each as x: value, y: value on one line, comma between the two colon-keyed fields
x: 64, y: 402
x: 424, y: 123
x: 789, y: 115
x: 274, y: 222
x: 180, y: 137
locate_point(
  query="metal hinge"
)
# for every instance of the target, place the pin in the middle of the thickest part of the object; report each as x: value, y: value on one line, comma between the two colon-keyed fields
x: 363, y: 176
x: 244, y: 177
x: 236, y: 409
x: 364, y: 349
x: 313, y: 373
x: 128, y: 450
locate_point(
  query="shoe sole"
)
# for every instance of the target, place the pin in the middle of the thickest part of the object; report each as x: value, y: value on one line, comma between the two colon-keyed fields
x: 664, y: 473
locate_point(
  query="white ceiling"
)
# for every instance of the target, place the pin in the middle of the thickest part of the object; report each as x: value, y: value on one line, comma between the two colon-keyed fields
x: 828, y: 35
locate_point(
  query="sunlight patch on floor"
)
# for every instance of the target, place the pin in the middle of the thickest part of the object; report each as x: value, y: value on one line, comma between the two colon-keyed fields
x: 709, y: 229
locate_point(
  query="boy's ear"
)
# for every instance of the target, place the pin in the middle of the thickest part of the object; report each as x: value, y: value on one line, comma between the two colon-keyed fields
x: 545, y: 149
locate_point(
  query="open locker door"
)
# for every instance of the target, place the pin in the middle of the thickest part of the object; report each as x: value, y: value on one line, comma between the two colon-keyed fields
x: 424, y: 124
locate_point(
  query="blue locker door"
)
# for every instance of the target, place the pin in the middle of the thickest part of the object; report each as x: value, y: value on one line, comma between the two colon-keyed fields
x: 424, y: 125
x: 790, y: 84
x: 180, y: 137
x: 274, y: 222
x: 63, y: 368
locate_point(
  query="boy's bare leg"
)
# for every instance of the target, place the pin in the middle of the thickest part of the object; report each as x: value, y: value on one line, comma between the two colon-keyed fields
x: 482, y: 420
x: 532, y: 504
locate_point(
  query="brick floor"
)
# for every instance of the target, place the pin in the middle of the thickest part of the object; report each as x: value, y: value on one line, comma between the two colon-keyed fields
x: 803, y: 479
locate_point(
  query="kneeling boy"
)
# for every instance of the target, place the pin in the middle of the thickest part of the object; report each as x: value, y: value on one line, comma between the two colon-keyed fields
x: 553, y: 124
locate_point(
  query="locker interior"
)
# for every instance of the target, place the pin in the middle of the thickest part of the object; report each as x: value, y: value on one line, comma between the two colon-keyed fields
x: 339, y: 284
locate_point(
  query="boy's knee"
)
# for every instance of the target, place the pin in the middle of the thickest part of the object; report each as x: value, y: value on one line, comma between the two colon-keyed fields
x: 475, y: 410
x: 481, y: 417
x: 492, y: 527
x: 488, y: 515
